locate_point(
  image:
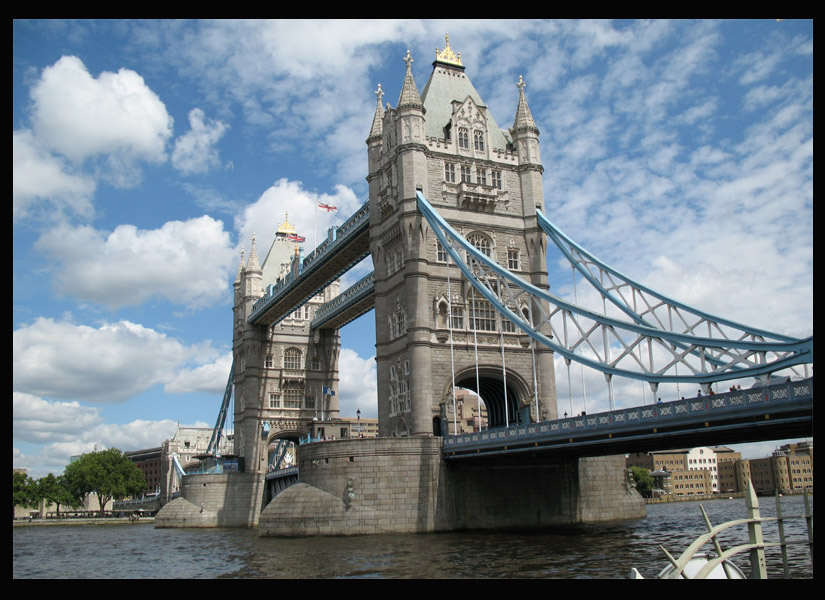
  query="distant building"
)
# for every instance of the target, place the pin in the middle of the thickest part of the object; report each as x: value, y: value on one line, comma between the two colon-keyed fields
x: 150, y: 463
x: 718, y: 469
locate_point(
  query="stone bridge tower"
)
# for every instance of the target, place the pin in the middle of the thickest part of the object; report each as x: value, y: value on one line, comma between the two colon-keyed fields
x: 283, y: 372
x: 431, y: 328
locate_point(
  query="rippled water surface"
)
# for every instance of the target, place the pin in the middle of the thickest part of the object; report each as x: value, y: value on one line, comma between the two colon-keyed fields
x: 604, y: 551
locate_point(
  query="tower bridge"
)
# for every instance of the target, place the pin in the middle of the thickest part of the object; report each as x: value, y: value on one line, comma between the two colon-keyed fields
x: 456, y: 231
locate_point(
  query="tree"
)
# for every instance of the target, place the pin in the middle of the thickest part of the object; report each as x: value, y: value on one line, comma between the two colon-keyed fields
x: 23, y: 491
x: 644, y: 482
x: 55, y: 490
x: 107, y: 474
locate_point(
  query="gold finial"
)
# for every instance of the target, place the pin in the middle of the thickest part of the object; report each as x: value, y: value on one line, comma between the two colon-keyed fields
x: 286, y: 227
x: 447, y: 55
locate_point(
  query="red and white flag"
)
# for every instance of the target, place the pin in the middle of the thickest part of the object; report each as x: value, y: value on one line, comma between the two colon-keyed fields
x: 327, y: 207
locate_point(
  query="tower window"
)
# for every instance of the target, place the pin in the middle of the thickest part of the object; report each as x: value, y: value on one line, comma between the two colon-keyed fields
x: 497, y: 179
x: 465, y: 174
x: 449, y: 173
x: 478, y: 140
x: 293, y: 359
x: 463, y: 138
x: 512, y: 259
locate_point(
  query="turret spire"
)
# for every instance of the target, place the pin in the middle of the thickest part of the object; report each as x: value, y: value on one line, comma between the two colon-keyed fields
x: 524, y: 119
x: 409, y: 92
x: 377, y: 121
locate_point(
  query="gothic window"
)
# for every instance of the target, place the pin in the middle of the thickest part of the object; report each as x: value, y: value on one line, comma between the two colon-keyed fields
x: 293, y: 397
x: 449, y: 172
x: 457, y: 321
x: 478, y: 139
x: 463, y: 138
x: 316, y: 363
x: 293, y: 359
x: 309, y: 402
x: 481, y: 175
x: 482, y: 315
x: 274, y: 401
x: 481, y: 243
x: 440, y: 252
x: 507, y: 326
x: 497, y: 179
x: 465, y: 174
x: 512, y: 259
x: 268, y: 361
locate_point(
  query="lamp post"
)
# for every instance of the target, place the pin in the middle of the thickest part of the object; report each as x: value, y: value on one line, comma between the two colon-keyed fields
x: 358, y: 414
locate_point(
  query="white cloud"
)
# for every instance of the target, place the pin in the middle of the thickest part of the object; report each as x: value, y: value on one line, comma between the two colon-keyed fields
x: 108, y: 364
x: 209, y: 378
x: 53, y: 457
x: 194, y: 151
x: 38, y: 420
x: 187, y: 262
x: 40, y: 178
x: 289, y: 198
x: 358, y: 388
x: 79, y: 116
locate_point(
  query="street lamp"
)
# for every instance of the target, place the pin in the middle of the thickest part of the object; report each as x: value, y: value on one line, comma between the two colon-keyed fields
x: 358, y: 414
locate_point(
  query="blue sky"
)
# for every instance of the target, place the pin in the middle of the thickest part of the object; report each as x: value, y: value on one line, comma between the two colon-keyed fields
x: 146, y: 154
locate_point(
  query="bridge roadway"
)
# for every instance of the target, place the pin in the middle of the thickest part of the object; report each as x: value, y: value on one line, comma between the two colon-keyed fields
x: 773, y: 412
x: 345, y: 247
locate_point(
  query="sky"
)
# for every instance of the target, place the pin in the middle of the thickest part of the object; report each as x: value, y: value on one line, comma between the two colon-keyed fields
x: 146, y: 154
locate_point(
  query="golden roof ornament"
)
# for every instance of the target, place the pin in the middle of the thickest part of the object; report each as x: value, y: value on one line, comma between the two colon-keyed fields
x: 447, y: 55
x: 285, y: 227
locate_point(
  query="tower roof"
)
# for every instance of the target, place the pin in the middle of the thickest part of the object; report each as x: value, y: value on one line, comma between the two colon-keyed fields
x: 449, y: 83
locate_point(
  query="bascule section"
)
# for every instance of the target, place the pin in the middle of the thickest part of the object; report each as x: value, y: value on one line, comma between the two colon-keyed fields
x: 434, y: 331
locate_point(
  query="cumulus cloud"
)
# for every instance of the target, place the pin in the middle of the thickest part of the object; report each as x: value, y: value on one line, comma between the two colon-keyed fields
x: 209, y: 378
x: 38, y: 420
x: 358, y: 385
x: 39, y: 177
x: 186, y: 262
x: 107, y: 364
x: 195, y: 151
x: 79, y: 116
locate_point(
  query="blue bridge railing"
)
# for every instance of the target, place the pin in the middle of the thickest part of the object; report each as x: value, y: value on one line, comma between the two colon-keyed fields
x: 649, y: 420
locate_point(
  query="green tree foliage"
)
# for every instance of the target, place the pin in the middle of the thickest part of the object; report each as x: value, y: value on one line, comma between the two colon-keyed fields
x: 644, y: 482
x: 23, y: 490
x: 55, y: 490
x: 107, y: 474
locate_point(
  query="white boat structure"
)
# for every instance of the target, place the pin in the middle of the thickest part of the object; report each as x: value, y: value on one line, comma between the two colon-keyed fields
x: 696, y: 563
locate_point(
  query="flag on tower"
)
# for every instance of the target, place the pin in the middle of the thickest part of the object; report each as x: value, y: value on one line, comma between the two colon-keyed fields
x: 328, y: 391
x: 327, y: 207
x: 294, y: 237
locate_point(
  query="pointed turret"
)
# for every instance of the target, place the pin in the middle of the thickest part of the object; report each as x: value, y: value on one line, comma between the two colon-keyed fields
x: 378, y: 120
x: 524, y: 119
x: 410, y: 97
x: 253, y: 266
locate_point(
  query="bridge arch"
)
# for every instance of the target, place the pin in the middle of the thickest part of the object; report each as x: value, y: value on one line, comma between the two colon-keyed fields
x: 488, y: 383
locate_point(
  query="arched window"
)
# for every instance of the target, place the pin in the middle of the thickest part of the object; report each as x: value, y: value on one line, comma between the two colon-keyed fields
x: 293, y: 359
x: 481, y: 243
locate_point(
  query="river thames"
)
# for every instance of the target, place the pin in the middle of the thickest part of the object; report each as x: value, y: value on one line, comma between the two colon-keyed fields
x: 590, y: 552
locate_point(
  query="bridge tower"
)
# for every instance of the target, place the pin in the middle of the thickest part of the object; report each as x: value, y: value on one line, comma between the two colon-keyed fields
x: 283, y: 372
x: 432, y: 330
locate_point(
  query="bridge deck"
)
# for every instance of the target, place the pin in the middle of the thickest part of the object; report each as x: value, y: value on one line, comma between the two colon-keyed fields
x: 348, y: 245
x: 773, y: 412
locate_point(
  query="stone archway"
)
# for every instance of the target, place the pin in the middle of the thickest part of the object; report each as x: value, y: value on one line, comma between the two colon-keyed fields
x: 502, y: 410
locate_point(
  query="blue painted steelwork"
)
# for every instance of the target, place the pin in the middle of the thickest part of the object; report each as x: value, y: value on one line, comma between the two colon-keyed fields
x: 720, y: 358
x: 347, y: 306
x: 320, y: 264
x: 739, y: 415
x: 214, y: 441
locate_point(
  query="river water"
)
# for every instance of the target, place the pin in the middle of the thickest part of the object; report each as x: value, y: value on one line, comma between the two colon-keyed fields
x: 590, y: 552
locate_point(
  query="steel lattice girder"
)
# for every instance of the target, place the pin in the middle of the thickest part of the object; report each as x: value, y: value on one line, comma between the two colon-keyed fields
x: 707, y: 359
